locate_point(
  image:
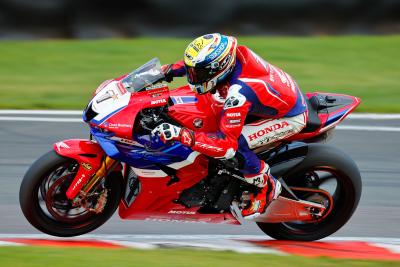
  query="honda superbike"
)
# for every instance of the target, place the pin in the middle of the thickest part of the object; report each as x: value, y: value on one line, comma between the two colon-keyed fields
x: 78, y: 185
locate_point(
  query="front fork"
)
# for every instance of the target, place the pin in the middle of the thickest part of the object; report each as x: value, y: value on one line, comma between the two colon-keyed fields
x: 81, y: 199
x: 108, y: 165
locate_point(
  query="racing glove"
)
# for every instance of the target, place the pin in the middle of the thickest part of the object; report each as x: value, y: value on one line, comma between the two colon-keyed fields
x: 168, y: 132
x: 168, y: 72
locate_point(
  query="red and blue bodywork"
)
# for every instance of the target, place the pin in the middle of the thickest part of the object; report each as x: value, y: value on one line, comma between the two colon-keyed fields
x: 156, y: 173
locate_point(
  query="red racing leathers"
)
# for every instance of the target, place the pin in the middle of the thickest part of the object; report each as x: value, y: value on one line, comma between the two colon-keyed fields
x: 257, y: 89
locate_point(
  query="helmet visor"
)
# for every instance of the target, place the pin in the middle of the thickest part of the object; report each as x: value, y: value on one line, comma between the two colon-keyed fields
x: 199, y: 75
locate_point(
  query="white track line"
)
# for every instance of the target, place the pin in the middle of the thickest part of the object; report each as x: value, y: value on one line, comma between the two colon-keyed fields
x: 8, y: 244
x: 237, y: 243
x: 368, y: 128
x: 372, y: 116
x: 40, y: 112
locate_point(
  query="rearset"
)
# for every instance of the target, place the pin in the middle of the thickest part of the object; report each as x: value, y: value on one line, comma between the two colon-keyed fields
x: 284, y: 210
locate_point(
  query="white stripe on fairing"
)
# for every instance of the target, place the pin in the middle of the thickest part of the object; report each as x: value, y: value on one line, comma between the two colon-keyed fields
x: 40, y: 119
x: 368, y: 128
x: 191, y: 158
x: 149, y: 173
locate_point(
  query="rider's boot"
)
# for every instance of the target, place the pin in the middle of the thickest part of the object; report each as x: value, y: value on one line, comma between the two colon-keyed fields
x: 270, y: 188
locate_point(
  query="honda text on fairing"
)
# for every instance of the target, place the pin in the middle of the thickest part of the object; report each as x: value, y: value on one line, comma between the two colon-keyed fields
x: 77, y: 186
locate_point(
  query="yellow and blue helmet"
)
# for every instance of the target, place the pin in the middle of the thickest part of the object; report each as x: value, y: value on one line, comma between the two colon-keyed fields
x: 209, y: 59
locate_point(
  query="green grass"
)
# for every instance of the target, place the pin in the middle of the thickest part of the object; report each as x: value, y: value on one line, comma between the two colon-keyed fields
x: 62, y: 74
x: 35, y: 256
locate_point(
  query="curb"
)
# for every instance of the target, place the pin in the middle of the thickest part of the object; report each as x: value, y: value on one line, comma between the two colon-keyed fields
x: 340, y: 248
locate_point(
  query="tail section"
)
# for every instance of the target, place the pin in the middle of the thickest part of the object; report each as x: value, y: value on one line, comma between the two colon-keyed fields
x: 325, y: 111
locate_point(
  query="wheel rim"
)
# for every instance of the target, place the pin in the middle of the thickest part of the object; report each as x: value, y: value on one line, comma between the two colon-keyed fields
x: 52, y: 199
x: 322, y: 178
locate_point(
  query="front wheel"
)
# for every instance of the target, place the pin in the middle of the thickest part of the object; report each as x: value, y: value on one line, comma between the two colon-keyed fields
x: 44, y: 204
x: 329, y: 170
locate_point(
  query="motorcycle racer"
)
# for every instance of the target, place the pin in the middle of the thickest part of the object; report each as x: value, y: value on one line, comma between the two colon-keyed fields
x: 261, y: 104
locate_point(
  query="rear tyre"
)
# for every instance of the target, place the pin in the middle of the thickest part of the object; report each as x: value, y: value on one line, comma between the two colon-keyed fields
x: 43, y: 202
x: 322, y: 166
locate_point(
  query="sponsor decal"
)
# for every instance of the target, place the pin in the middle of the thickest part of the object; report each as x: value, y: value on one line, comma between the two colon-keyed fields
x: 232, y: 115
x: 271, y: 139
x: 60, y: 145
x: 158, y: 101
x: 268, y: 129
x: 181, y: 212
x: 209, y: 147
x: 78, y: 182
x: 199, y: 44
x: 186, y: 137
x: 225, y: 62
x: 198, y: 123
x: 232, y: 126
x: 188, y: 56
x: 156, y: 95
x: 256, y: 180
x: 86, y: 166
x: 231, y: 102
x: 121, y: 88
x: 117, y: 125
x: 283, y: 76
x: 236, y: 121
x: 175, y: 220
x: 217, y: 51
x: 126, y: 141
x: 156, y: 86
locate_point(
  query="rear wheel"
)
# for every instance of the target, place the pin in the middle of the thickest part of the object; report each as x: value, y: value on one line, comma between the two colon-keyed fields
x: 325, y: 169
x: 45, y: 206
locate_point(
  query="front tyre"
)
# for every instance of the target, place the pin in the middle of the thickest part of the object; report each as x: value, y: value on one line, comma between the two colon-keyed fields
x: 44, y: 204
x: 324, y: 168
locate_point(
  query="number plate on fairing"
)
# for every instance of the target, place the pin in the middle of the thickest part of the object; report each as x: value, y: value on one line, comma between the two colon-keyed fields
x: 109, y: 101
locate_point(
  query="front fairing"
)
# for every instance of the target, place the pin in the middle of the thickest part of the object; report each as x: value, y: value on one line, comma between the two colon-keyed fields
x: 117, y: 102
x: 108, y: 110
x: 114, y: 109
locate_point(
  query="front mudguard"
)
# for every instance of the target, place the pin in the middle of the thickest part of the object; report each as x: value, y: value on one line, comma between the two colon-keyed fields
x: 89, y: 156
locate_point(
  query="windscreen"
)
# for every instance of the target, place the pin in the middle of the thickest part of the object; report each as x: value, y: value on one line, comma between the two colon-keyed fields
x: 144, y: 76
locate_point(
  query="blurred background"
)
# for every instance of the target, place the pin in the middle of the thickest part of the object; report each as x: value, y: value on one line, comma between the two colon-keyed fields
x: 27, y: 19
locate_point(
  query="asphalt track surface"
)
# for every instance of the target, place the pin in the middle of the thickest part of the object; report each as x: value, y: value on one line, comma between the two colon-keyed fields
x: 377, y: 154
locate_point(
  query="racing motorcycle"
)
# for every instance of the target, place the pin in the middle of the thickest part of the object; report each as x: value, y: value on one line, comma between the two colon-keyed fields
x: 78, y: 185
